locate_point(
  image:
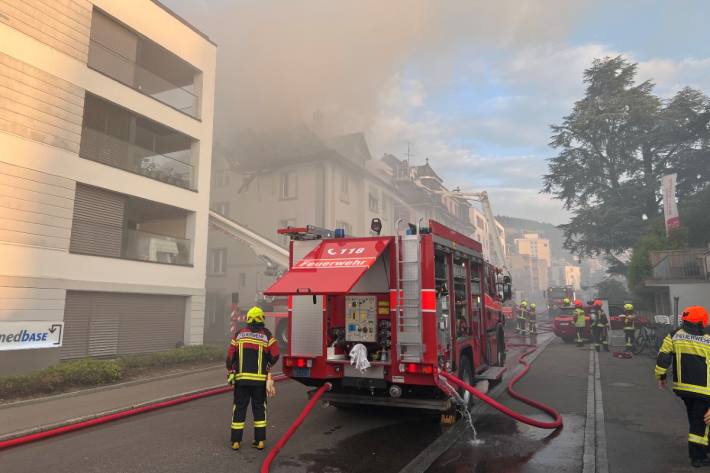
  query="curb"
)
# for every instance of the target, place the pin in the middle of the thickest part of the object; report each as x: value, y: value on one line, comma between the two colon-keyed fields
x: 106, y: 387
x: 43, y: 428
x: 428, y: 456
x: 67, y: 422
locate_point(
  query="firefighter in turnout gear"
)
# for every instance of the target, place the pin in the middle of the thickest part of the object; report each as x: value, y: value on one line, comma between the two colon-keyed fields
x: 687, y: 349
x: 532, y: 318
x: 522, y: 316
x: 629, y: 326
x: 600, y: 326
x: 252, y: 353
x: 580, y: 322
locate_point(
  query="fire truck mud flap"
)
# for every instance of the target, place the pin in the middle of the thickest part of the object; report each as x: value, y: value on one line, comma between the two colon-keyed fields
x: 441, y: 405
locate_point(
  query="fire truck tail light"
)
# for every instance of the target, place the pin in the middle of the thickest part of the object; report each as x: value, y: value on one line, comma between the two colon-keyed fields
x: 298, y: 362
x: 414, y: 368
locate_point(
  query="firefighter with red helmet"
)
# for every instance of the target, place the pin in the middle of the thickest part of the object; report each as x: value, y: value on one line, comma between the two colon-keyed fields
x: 580, y: 321
x: 600, y: 326
x: 629, y: 326
x: 687, y: 349
x: 252, y: 353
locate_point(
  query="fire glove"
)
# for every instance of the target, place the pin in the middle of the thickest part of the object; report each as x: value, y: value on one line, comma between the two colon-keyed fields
x: 707, y: 417
x: 230, y: 377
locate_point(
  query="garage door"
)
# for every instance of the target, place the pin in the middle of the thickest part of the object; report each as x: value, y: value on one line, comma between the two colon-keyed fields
x: 109, y: 324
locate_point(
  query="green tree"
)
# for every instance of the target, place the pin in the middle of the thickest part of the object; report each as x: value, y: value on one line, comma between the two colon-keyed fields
x: 612, y: 290
x: 613, y: 148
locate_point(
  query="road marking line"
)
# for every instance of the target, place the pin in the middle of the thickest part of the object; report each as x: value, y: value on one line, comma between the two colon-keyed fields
x: 589, y: 457
x: 602, y: 460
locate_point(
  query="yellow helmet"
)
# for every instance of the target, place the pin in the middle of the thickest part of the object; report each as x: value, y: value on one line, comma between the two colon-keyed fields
x: 524, y: 304
x: 533, y: 305
x: 566, y: 301
x: 628, y: 307
x: 255, y: 315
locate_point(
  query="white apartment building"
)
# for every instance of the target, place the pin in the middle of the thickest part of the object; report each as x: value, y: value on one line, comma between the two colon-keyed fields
x: 563, y: 274
x: 106, y: 139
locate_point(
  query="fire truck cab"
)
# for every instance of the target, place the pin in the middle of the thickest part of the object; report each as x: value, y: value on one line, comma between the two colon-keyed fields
x: 418, y: 302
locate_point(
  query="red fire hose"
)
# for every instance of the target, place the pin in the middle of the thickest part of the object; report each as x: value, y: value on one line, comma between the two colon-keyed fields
x: 116, y: 416
x: 555, y: 424
x: 291, y: 430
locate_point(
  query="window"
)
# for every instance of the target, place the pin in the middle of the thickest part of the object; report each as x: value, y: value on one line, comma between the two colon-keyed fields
x: 217, y: 263
x: 287, y: 186
x: 221, y: 179
x: 284, y: 223
x: 384, y: 207
x: 344, y: 187
x: 373, y: 200
x: 221, y: 208
x: 242, y: 279
x: 345, y: 226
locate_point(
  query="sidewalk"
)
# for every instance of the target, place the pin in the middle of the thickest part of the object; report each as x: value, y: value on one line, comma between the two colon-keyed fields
x: 44, y: 413
x: 646, y: 428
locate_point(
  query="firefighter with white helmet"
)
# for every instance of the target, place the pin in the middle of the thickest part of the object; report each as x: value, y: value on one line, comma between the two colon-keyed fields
x: 252, y: 353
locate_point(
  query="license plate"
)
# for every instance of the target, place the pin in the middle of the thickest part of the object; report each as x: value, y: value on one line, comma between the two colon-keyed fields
x: 301, y: 373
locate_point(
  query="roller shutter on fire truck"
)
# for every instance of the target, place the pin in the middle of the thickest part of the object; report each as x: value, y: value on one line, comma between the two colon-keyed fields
x: 109, y: 324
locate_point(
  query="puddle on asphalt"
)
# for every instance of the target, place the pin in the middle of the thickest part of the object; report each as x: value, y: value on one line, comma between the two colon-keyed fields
x: 386, y: 448
x: 513, y: 447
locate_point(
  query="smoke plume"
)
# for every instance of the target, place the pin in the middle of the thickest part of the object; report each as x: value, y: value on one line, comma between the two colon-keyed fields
x: 279, y: 62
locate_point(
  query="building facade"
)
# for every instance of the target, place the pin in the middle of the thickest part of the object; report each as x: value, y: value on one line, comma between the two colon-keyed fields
x: 295, y: 178
x: 481, y: 233
x: 106, y: 132
x: 564, y: 274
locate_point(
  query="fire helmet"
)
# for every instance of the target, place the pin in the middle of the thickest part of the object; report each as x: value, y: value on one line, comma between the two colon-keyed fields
x: 524, y: 303
x: 695, y: 315
x: 255, y: 315
x: 533, y: 305
x: 628, y: 307
x: 578, y: 304
x: 566, y: 301
x: 597, y: 303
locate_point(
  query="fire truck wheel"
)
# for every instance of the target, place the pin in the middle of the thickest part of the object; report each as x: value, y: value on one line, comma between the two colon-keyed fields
x: 466, y: 375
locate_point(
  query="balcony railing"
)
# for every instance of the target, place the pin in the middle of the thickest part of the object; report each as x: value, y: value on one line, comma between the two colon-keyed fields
x: 172, y: 168
x: 115, y: 241
x: 116, y: 66
x: 146, y: 246
x: 680, y: 264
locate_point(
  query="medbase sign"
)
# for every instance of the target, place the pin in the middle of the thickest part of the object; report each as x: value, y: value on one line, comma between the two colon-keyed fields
x: 30, y: 334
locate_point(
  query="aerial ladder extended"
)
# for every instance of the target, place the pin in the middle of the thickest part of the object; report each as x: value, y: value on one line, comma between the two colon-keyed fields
x: 275, y: 257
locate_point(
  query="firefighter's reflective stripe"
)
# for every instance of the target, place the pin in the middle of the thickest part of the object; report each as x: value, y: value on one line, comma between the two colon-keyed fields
x: 271, y: 342
x: 250, y: 377
x: 259, y: 423
x: 241, y: 357
x: 253, y: 341
x: 691, y: 352
x: 238, y: 425
x: 261, y: 352
x: 692, y: 438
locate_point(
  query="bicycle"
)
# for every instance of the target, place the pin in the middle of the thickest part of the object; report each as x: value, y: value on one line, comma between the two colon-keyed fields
x: 649, y: 338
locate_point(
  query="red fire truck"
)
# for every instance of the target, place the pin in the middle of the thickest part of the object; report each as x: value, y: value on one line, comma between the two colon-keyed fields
x: 417, y: 302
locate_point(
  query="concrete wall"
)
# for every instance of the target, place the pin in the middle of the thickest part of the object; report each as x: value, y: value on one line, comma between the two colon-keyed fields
x: 61, y: 24
x: 39, y: 106
x: 693, y: 293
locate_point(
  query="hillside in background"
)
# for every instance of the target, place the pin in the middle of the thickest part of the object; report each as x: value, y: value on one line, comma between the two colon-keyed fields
x: 515, y: 227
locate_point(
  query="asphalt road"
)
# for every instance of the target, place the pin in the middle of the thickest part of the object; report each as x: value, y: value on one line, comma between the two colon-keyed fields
x: 194, y: 437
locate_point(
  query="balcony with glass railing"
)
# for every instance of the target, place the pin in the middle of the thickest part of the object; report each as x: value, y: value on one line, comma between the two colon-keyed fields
x: 171, y: 167
x: 106, y: 60
x: 145, y: 246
